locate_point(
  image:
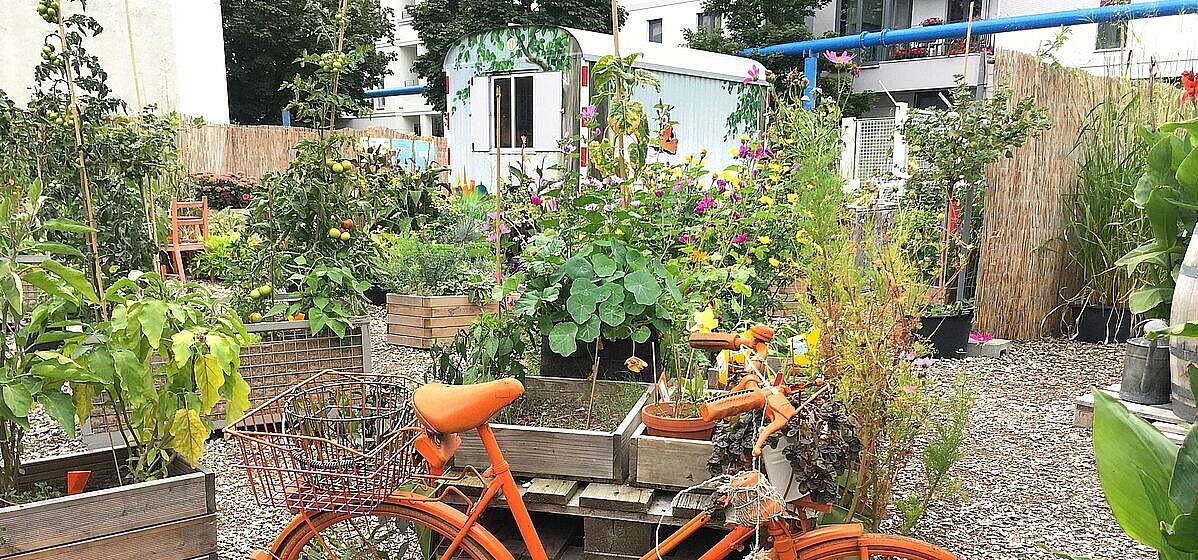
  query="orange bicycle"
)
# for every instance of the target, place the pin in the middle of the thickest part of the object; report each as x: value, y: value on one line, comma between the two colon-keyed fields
x: 361, y: 462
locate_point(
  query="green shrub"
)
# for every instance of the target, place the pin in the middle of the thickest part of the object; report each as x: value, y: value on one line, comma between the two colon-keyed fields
x: 413, y: 266
x: 216, y: 261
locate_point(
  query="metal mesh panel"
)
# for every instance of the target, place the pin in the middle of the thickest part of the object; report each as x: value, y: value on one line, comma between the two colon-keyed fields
x: 875, y: 137
x: 282, y: 358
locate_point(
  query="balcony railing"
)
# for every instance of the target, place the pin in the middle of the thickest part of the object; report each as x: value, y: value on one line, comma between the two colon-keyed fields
x: 924, y: 49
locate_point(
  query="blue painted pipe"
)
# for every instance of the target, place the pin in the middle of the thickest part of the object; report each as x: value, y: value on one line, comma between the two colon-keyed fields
x: 982, y: 27
x: 392, y: 92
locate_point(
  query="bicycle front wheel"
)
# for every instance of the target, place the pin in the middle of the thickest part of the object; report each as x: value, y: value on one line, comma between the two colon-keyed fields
x: 394, y: 531
x: 872, y: 546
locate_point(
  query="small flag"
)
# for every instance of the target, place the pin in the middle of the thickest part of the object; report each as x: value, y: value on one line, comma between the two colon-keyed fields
x: 663, y: 389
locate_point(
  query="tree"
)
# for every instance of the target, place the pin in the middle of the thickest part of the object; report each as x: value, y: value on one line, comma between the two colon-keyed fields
x: 441, y: 23
x: 265, y: 38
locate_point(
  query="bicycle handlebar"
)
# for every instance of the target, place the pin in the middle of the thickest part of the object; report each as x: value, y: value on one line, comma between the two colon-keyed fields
x: 750, y: 395
x: 731, y: 404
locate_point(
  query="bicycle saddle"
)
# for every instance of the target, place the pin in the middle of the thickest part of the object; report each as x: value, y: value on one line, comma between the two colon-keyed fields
x: 450, y: 409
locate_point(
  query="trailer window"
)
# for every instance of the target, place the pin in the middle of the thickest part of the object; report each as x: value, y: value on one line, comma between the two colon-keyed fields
x: 514, y: 109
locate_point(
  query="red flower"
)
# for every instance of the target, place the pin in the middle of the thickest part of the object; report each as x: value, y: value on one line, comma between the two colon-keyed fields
x: 1189, y: 85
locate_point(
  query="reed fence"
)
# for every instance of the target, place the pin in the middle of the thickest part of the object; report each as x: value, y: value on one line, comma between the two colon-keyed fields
x: 256, y: 150
x: 1026, y: 274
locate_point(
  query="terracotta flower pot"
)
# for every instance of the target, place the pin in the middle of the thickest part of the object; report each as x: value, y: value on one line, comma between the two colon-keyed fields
x: 659, y: 421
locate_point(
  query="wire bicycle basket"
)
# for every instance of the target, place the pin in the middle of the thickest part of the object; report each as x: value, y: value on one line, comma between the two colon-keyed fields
x: 339, y: 442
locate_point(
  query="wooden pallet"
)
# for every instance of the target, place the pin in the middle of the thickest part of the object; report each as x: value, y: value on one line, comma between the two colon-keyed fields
x: 1160, y: 416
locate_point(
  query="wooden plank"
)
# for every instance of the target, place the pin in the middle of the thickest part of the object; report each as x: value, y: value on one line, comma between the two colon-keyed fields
x: 550, y: 491
x: 555, y: 532
x: 1083, y: 415
x: 456, y: 311
x: 431, y: 322
x: 668, y: 462
x: 615, y: 536
x: 436, y: 332
x: 180, y: 540
x: 413, y: 341
x: 690, y: 504
x: 617, y: 497
x: 428, y: 301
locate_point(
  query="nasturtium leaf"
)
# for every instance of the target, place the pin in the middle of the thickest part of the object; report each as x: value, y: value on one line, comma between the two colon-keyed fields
x: 188, y: 434
x: 604, y: 265
x: 581, y: 306
x: 578, y: 268
x: 640, y: 334
x: 637, y: 260
x: 643, y: 286
x: 563, y: 339
x: 589, y: 331
x: 61, y: 408
x: 209, y: 378
x: 611, y: 312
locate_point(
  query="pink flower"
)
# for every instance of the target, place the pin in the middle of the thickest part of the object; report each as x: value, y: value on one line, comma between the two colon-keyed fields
x: 740, y: 239
x: 707, y: 203
x: 598, y: 131
x: 909, y: 389
x: 588, y: 112
x: 536, y: 200
x: 659, y: 193
x: 909, y: 356
x: 635, y: 204
x: 754, y: 75
x: 923, y: 362
x: 980, y: 338
x: 684, y: 239
x: 245, y: 196
x: 841, y: 58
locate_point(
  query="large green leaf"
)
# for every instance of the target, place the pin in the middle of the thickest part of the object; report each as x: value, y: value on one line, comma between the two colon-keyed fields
x: 182, y: 344
x: 1152, y: 252
x: 83, y: 395
x: 563, y: 339
x: 611, y: 312
x: 578, y: 268
x: 51, y: 286
x: 1187, y: 173
x: 57, y: 248
x: 73, y: 278
x: 10, y: 287
x: 589, y: 330
x: 603, y: 265
x: 1147, y: 298
x: 188, y: 434
x: 18, y: 399
x: 237, y: 396
x: 209, y: 379
x: 1125, y: 446
x: 581, y: 306
x: 61, y: 408
x: 1182, y: 534
x: 643, y: 286
x: 134, y: 375
x: 66, y: 226
x: 151, y: 314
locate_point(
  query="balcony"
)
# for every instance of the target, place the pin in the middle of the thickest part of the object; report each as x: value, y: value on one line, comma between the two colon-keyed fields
x: 921, y: 66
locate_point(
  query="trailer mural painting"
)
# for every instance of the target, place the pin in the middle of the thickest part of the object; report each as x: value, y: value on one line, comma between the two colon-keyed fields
x: 522, y: 88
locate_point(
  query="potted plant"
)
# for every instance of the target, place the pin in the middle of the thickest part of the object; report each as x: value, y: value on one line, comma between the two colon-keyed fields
x: 676, y: 412
x: 434, y: 289
x: 957, y: 143
x: 931, y: 21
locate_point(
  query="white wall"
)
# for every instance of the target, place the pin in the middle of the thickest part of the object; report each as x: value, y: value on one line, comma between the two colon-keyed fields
x: 405, y: 111
x: 179, y: 46
x: 675, y: 15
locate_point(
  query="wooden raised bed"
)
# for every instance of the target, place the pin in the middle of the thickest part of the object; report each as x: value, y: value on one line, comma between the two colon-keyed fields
x: 170, y: 519
x: 589, y: 455
x: 420, y: 321
x: 286, y: 354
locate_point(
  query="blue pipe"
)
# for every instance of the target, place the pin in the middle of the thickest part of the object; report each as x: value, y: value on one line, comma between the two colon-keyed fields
x: 391, y: 92
x: 888, y: 37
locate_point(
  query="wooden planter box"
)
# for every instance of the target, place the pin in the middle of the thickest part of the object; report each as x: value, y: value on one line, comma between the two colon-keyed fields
x: 588, y: 455
x: 660, y: 462
x: 170, y: 519
x: 286, y: 354
x: 420, y: 321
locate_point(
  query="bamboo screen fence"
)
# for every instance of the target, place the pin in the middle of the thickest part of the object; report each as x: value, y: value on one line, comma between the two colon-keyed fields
x: 1025, y: 272
x: 255, y: 150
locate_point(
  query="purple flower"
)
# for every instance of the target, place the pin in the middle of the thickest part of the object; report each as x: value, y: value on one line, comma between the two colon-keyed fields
x: 923, y: 362
x: 609, y: 207
x: 737, y: 197
x: 754, y: 75
x: 722, y: 184
x: 740, y: 239
x: 677, y: 188
x: 735, y: 215
x: 588, y: 112
x: 536, y: 200
x: 795, y: 166
x: 636, y: 204
x: 744, y: 151
x: 704, y: 205
x: 753, y: 174
x: 659, y: 193
x: 684, y: 239
x: 598, y: 131
x: 568, y: 148
x: 839, y: 58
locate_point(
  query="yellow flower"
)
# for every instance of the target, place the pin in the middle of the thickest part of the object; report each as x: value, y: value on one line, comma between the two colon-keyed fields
x: 743, y: 138
x: 728, y: 175
x: 803, y: 360
x: 705, y: 320
x: 792, y: 197
x: 677, y: 172
x: 767, y: 200
x: 802, y: 237
x: 810, y: 186
x: 764, y: 240
x: 813, y: 338
x: 619, y: 231
x: 776, y: 167
x: 775, y: 262
x: 734, y: 152
x: 688, y: 158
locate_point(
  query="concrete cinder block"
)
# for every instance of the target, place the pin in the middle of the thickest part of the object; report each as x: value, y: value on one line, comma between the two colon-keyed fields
x: 993, y: 348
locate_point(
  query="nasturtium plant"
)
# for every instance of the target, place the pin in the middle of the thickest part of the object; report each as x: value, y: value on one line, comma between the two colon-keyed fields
x: 606, y: 288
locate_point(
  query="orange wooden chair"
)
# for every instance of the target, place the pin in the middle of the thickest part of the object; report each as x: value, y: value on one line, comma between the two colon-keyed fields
x: 189, y: 231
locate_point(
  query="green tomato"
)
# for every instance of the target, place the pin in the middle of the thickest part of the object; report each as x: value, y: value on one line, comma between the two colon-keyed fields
x: 266, y: 290
x: 334, y: 233
x: 338, y: 168
x: 345, y: 236
x: 255, y: 294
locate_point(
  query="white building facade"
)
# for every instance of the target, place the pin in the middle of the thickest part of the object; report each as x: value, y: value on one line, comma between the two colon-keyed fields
x: 178, y: 44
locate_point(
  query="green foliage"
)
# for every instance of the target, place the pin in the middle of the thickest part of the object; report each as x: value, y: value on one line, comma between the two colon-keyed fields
x: 397, y: 198
x: 957, y: 143
x: 755, y: 23
x: 943, y: 451
x: 493, y: 347
x: 256, y: 67
x: 417, y: 267
x: 442, y: 24
x: 615, y: 81
x: 216, y: 261
x: 29, y: 374
x: 224, y: 190
x: 328, y: 297
x: 162, y: 408
x: 1167, y: 192
x: 1151, y: 485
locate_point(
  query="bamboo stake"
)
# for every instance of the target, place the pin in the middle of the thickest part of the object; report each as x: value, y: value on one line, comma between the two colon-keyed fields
x: 93, y: 243
x: 498, y: 221
x: 344, y: 10
x: 621, y: 166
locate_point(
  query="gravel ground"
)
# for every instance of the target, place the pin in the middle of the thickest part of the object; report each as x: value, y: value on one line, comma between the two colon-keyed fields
x: 1028, y: 473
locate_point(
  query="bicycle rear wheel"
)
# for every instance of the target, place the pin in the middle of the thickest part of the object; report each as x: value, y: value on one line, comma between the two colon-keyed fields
x: 394, y: 531
x: 872, y: 546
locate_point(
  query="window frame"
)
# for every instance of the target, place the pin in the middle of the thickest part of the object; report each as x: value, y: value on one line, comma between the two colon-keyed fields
x: 511, y: 104
x: 1116, y: 27
x: 710, y: 22
x: 660, y: 30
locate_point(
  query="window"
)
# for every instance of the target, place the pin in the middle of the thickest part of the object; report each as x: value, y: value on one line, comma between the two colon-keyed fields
x: 931, y: 100
x: 856, y: 16
x: 403, y: 14
x: 958, y: 10
x: 438, y: 126
x: 655, y: 31
x: 1111, y: 34
x: 710, y: 22
x: 515, y: 110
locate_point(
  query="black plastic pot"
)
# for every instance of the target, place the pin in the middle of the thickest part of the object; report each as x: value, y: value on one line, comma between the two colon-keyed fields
x: 611, y: 361
x: 948, y: 334
x: 376, y: 295
x: 1096, y: 323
